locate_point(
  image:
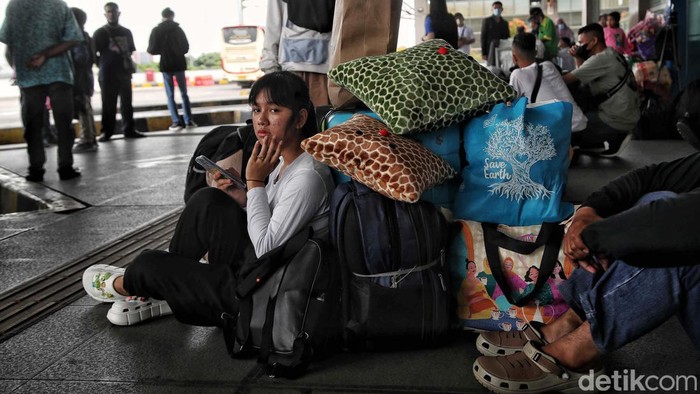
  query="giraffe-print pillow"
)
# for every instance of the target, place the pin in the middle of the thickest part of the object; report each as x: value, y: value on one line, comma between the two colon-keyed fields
x: 395, y: 166
x: 424, y: 88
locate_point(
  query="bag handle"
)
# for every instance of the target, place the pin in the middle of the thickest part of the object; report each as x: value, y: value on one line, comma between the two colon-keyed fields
x: 550, y: 236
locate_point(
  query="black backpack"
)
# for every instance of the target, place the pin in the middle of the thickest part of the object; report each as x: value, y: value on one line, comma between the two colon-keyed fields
x: 289, y: 307
x: 219, y: 143
x: 395, y: 281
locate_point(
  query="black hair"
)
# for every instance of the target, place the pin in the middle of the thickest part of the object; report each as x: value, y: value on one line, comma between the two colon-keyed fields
x: 566, y: 40
x: 496, y: 3
x: 288, y: 90
x: 467, y: 261
x: 526, y: 44
x: 80, y: 16
x: 595, y: 30
x: 536, y: 11
x: 167, y: 13
x: 527, y: 274
x: 459, y: 15
x: 615, y: 15
x: 438, y: 7
x: 561, y: 272
x: 111, y: 4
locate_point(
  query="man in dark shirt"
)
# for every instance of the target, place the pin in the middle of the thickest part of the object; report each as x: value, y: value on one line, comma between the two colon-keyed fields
x: 114, y: 45
x: 170, y: 42
x: 493, y: 29
x: 638, y: 252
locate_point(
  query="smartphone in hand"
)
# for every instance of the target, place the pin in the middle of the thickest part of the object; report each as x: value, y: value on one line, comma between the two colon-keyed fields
x: 212, y: 168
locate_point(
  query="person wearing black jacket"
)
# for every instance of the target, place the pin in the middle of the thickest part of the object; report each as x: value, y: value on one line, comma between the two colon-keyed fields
x: 638, y: 253
x: 114, y: 44
x: 170, y: 42
x: 493, y: 29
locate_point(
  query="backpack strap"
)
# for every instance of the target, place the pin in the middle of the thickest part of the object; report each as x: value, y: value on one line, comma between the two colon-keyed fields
x: 538, y: 83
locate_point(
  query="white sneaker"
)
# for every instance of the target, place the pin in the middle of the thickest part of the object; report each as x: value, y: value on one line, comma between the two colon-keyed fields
x: 135, y: 310
x: 98, y: 282
x: 175, y: 127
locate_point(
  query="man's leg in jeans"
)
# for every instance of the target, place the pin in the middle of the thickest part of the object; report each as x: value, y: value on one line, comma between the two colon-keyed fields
x: 613, y: 305
x: 62, y: 106
x: 186, y: 106
x: 170, y: 95
x: 33, y: 100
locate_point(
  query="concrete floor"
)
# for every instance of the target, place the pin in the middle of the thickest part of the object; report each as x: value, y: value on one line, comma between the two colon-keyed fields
x: 129, y: 183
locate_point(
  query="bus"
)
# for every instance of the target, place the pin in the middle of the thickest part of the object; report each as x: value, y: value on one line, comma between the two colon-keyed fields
x: 241, y: 51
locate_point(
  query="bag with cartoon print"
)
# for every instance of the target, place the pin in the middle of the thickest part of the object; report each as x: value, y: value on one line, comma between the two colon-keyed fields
x: 504, y: 277
x: 518, y: 157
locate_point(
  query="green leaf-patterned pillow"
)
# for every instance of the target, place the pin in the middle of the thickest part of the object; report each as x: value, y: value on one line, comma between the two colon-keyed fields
x: 424, y: 88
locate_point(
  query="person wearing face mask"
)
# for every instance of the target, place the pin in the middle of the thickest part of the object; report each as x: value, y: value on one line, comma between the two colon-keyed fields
x: 493, y: 29
x: 563, y: 30
x: 546, y: 32
x: 612, y: 105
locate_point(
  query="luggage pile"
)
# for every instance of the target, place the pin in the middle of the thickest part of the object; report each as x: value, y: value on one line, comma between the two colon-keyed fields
x: 446, y: 215
x: 442, y: 152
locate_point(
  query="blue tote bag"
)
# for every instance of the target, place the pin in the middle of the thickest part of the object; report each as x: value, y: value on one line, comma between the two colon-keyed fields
x: 518, y: 159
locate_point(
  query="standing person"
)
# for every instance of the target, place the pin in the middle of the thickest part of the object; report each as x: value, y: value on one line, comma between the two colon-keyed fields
x: 291, y: 47
x: 83, y: 58
x: 441, y: 24
x: 38, y: 35
x: 493, y: 29
x: 613, y: 94
x: 615, y: 37
x: 546, y: 32
x: 114, y: 45
x: 465, y: 35
x: 170, y: 42
x: 566, y: 61
x: 228, y: 223
x: 563, y: 30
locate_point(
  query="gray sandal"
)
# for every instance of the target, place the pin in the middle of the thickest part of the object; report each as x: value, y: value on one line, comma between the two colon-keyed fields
x: 528, y: 371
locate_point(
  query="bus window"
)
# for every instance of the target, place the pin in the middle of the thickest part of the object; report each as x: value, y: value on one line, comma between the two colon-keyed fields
x: 241, y: 50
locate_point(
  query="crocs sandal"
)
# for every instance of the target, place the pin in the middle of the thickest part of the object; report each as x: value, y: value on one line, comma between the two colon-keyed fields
x: 98, y: 282
x: 503, y: 343
x: 529, y: 371
x: 134, y: 310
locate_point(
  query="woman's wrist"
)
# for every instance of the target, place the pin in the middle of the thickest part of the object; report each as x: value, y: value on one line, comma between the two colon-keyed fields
x: 252, y: 183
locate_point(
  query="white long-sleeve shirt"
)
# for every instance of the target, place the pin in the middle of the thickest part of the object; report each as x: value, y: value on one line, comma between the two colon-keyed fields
x: 298, y: 198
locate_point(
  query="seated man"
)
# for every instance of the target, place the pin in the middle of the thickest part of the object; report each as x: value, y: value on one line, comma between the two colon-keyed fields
x: 613, y: 101
x: 635, y: 247
x: 566, y: 61
x: 552, y: 86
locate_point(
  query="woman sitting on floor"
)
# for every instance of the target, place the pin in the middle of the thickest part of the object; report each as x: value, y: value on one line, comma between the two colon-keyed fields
x: 226, y: 223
